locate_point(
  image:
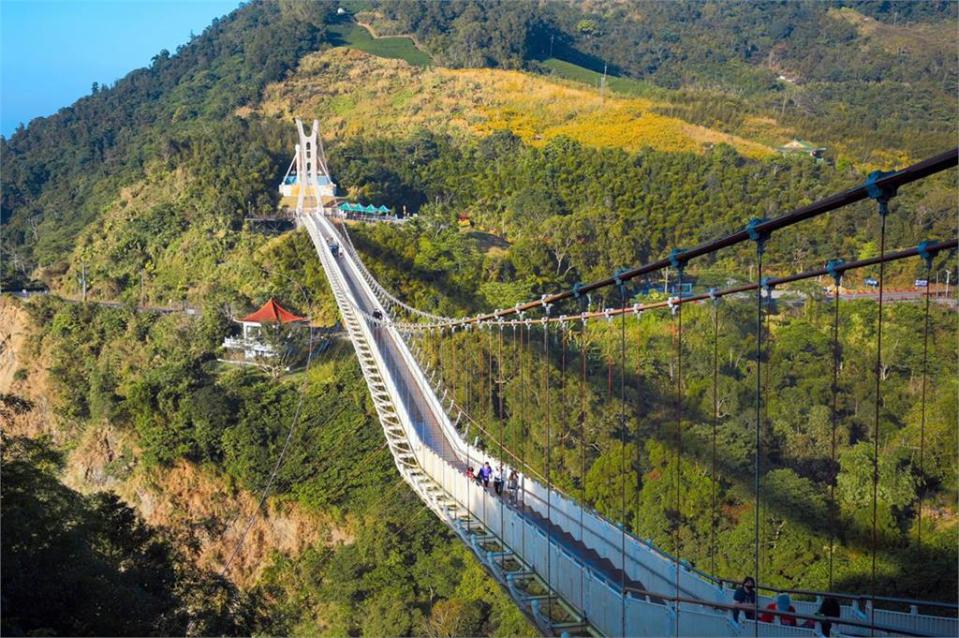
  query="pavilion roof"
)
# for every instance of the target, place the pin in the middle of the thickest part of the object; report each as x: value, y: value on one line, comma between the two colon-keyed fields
x: 272, y: 312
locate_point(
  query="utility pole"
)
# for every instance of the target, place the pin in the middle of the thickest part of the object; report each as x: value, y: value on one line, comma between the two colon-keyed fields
x: 83, y: 280
x: 141, y: 288
x: 552, y: 35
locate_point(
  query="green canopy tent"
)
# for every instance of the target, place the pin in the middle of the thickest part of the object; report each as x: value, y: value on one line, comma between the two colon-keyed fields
x: 369, y: 209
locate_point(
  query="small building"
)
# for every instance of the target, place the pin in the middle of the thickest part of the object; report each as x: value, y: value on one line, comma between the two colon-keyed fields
x: 802, y: 147
x: 249, y: 341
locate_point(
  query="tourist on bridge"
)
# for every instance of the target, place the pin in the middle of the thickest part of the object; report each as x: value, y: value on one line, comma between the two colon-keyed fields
x: 830, y: 609
x: 783, y: 603
x: 485, y: 473
x: 470, y: 475
x: 498, y: 480
x: 745, y: 597
x: 512, y: 485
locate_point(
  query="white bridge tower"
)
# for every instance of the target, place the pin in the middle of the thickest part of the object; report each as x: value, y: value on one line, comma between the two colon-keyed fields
x: 312, y: 173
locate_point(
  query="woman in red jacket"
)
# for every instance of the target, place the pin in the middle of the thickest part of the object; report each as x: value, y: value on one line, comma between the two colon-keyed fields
x: 783, y: 603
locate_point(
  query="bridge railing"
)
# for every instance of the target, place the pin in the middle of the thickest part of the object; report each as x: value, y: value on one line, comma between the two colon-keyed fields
x: 643, y: 561
x: 647, y: 612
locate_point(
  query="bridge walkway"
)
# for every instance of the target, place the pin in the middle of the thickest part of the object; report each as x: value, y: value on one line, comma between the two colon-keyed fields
x: 430, y: 429
x: 642, y: 615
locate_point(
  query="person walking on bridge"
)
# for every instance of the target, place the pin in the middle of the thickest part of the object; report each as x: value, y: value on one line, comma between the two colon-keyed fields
x: 512, y: 485
x: 498, y: 480
x: 485, y: 473
x: 745, y: 598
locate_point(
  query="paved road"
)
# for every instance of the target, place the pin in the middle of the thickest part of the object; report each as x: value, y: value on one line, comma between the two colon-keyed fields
x: 26, y: 294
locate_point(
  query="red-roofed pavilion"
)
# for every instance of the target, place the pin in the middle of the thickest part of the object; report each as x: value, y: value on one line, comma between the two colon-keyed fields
x: 271, y: 312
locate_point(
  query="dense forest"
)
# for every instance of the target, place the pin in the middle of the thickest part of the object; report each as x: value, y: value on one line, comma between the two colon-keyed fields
x: 144, y: 189
x: 402, y: 573
x: 836, y: 68
x: 76, y: 565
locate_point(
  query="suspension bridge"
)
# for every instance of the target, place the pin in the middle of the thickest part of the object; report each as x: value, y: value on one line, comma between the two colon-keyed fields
x: 570, y: 569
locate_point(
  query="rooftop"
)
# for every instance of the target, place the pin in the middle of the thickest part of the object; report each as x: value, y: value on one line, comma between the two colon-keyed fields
x: 272, y: 312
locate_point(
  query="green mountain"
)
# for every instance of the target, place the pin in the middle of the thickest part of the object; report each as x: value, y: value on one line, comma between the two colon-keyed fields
x: 499, y: 113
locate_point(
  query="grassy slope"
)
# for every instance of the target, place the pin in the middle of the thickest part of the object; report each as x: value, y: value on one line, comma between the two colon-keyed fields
x: 352, y: 35
x: 363, y: 94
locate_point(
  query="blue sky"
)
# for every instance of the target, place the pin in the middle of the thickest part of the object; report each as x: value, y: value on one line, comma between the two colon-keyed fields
x: 51, y: 52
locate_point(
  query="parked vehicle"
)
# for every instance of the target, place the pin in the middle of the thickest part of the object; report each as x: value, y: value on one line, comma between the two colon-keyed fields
x: 872, y: 281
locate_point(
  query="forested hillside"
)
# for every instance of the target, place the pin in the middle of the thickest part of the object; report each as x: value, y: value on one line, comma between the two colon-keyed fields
x: 524, y: 177
x: 864, y: 76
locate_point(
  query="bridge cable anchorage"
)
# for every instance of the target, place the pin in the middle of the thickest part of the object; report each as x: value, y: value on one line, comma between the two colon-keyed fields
x: 882, y: 194
x: 832, y: 266
x: 927, y: 254
x: 757, y: 234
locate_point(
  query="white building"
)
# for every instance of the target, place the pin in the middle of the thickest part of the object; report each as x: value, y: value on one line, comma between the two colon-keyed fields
x: 249, y: 342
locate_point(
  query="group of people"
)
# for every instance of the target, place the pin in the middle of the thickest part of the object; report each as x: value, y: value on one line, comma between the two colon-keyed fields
x: 499, y: 479
x: 745, y: 599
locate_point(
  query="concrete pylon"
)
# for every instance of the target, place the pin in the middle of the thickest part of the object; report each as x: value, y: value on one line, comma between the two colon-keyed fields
x: 306, y: 169
x: 311, y: 164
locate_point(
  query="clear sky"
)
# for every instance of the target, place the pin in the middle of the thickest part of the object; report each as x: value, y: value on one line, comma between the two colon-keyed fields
x: 52, y: 51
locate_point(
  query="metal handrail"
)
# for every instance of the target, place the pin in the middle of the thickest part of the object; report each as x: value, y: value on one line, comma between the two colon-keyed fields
x: 746, y: 608
x: 846, y: 596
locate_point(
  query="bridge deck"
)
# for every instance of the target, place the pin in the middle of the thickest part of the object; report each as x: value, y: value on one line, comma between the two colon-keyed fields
x: 432, y: 433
